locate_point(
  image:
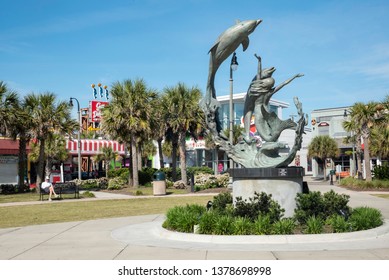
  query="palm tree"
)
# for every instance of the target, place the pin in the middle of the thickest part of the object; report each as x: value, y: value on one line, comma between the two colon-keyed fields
x: 107, y: 155
x: 15, y: 123
x: 182, y: 115
x: 365, y: 117
x: 47, y: 118
x: 127, y: 116
x: 158, y: 127
x: 380, y: 133
x: 355, y: 139
x: 323, y: 147
x: 55, y: 150
x: 9, y: 103
x: 237, y: 132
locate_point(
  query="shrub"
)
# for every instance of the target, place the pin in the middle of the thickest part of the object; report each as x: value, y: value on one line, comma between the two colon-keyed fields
x: 307, y: 205
x: 381, y: 172
x: 262, y: 225
x: 260, y: 204
x: 183, y: 218
x: 320, y: 206
x: 284, y: 226
x: 221, y: 201
x: 314, y: 225
x: 120, y: 172
x: 224, y: 225
x: 116, y: 183
x: 204, y: 181
x: 363, y: 218
x: 338, y: 224
x: 242, y: 226
x: 146, y: 175
x: 88, y: 194
x: 207, y: 222
x: 335, y: 204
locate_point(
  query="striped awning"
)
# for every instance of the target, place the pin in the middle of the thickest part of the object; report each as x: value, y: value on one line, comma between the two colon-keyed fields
x: 94, y: 146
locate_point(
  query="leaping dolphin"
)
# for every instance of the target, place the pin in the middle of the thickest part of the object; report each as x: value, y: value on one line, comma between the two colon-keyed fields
x: 225, y: 45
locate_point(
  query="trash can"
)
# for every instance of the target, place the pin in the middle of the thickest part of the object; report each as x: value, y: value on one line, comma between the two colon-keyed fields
x: 159, y: 183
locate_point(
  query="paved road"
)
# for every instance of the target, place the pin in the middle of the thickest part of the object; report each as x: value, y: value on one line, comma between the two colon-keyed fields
x: 143, y: 238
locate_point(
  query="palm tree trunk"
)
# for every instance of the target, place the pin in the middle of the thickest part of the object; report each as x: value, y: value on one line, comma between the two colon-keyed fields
x: 174, y: 158
x: 183, y: 156
x: 41, y: 164
x: 130, y: 177
x: 366, y: 155
x: 22, y: 161
x: 135, y: 176
x: 139, y: 158
x: 160, y: 153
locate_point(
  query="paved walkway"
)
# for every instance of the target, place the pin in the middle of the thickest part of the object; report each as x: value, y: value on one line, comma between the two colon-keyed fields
x: 143, y: 238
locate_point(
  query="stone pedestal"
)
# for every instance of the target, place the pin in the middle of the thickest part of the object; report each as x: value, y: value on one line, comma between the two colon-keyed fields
x: 282, y: 183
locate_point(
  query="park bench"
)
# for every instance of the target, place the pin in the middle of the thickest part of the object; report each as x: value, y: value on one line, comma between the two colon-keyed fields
x: 62, y: 188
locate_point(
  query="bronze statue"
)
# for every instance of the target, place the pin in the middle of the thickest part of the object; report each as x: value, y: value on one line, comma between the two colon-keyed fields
x: 260, y: 91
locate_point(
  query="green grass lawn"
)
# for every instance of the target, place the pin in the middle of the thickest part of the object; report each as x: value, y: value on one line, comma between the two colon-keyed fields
x: 79, y: 210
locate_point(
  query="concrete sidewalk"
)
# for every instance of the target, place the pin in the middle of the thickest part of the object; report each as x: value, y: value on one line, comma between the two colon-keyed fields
x: 143, y: 238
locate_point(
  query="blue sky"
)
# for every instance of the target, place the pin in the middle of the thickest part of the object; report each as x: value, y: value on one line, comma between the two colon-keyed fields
x: 342, y: 47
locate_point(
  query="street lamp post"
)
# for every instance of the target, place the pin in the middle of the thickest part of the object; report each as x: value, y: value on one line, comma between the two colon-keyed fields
x: 353, y: 147
x: 79, y: 135
x: 233, y: 67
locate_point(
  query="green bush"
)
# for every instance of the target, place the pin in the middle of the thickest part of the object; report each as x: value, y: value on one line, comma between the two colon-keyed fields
x: 363, y: 185
x: 88, y: 194
x: 284, y: 226
x: 260, y: 204
x: 314, y: 225
x: 119, y: 172
x: 183, y: 218
x: 335, y: 204
x: 307, y: 205
x: 262, y: 225
x: 381, y: 172
x: 242, y: 226
x: 220, y: 202
x: 224, y: 225
x: 338, y: 224
x: 116, y: 183
x: 363, y: 218
x: 207, y: 222
x: 320, y: 206
x: 146, y: 175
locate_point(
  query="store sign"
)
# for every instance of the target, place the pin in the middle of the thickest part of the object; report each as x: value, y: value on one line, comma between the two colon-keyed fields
x: 191, y: 144
x: 96, y: 107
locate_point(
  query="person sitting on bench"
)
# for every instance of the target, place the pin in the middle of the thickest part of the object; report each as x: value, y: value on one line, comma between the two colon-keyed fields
x: 48, y: 187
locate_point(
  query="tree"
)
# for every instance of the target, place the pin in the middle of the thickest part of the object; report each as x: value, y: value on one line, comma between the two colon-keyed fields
x: 379, y: 145
x: 55, y: 150
x: 126, y: 118
x: 237, y: 132
x: 8, y: 109
x: 107, y: 155
x: 47, y: 117
x: 355, y: 139
x: 182, y: 115
x: 323, y: 147
x: 15, y: 123
x: 365, y: 117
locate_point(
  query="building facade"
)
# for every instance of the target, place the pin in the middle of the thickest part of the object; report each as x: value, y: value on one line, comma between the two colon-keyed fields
x: 329, y: 122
